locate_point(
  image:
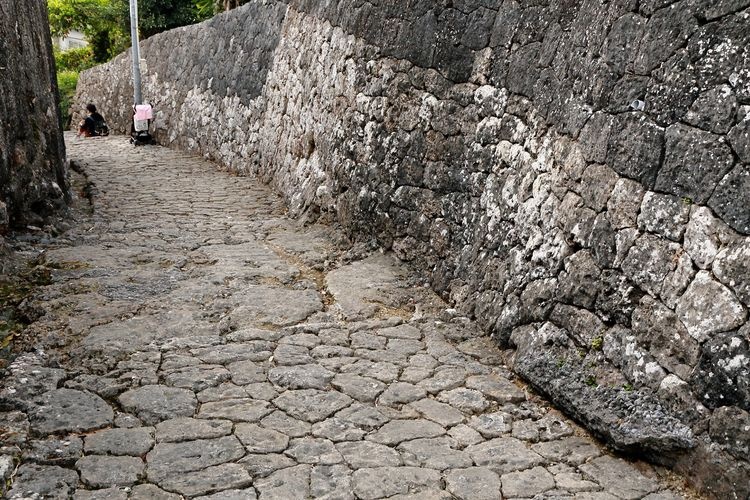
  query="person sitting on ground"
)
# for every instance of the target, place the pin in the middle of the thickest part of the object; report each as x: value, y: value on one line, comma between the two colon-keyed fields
x: 93, y: 125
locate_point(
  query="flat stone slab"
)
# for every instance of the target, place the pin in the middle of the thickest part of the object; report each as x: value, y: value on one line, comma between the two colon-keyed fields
x: 154, y: 403
x: 113, y: 493
x: 365, y: 454
x: 46, y: 481
x: 619, y: 477
x: 397, y: 431
x: 69, y: 410
x: 381, y: 482
x: 473, y: 483
x: 504, y: 455
x: 258, y: 439
x: 236, y: 410
x: 134, y: 442
x: 311, y: 405
x: 63, y: 452
x: 300, y: 376
x: 210, y: 480
x: 190, y: 429
x: 167, y: 461
x: 103, y: 471
x: 286, y: 484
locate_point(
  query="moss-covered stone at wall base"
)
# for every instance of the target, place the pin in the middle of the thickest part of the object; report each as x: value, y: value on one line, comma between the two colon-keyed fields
x: 573, y: 166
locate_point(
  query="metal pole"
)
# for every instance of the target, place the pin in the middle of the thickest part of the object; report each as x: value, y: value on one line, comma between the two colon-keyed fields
x: 136, y: 52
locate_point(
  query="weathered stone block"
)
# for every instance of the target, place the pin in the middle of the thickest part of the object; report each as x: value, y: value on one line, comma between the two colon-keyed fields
x: 663, y: 214
x: 708, y: 307
x: 693, y: 160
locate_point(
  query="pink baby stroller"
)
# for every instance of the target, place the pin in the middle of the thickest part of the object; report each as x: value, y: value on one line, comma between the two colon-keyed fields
x: 142, y: 116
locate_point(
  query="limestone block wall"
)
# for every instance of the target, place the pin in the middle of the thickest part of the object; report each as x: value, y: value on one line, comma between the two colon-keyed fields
x: 573, y: 174
x: 32, y: 153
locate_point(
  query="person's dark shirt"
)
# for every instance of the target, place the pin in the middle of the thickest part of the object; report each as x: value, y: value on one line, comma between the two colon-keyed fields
x: 89, y: 124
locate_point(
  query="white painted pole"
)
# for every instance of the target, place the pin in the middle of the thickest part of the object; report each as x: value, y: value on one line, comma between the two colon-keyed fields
x: 136, y: 52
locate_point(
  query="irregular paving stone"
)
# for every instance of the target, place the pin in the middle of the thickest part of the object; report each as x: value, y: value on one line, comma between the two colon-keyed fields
x: 275, y: 306
x: 465, y: 435
x: 261, y: 440
x: 103, y: 471
x: 443, y: 380
x: 105, y: 494
x: 63, y: 452
x: 363, y: 416
x: 337, y: 430
x: 263, y: 464
x: 167, y: 461
x: 28, y: 379
x: 190, y: 429
x: 221, y: 392
x: 404, y: 331
x: 134, y: 442
x: 441, y: 413
x: 209, y: 480
x: 360, y: 388
x: 313, y: 451
x: 46, y: 481
x: 438, y: 453
x: 492, y: 425
x: 574, y: 482
x: 68, y: 410
x: 467, y: 400
x: 287, y: 354
x: 311, y: 405
x: 400, y: 393
x: 496, y: 388
x: 383, y: 371
x: 331, y: 481
x: 300, y: 376
x: 573, y: 450
x: 380, y: 482
x: 154, y: 403
x: 396, y: 431
x: 292, y: 483
x: 231, y: 353
x: 261, y: 391
x: 244, y: 494
x: 364, y: 340
x: 151, y: 492
x: 363, y: 454
x: 528, y: 482
x: 504, y: 455
x: 292, y: 427
x: 237, y: 410
x: 247, y: 372
x: 473, y: 483
x: 619, y: 477
x: 197, y: 378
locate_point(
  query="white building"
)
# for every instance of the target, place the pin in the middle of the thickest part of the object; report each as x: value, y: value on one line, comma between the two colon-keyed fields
x: 74, y: 40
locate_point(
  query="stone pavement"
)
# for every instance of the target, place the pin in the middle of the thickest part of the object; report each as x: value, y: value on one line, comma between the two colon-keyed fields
x: 195, y: 342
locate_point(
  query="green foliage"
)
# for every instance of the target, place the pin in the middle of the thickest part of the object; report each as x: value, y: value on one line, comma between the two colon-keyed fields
x: 597, y: 343
x: 155, y: 16
x: 207, y: 8
x: 66, y: 84
x: 74, y: 59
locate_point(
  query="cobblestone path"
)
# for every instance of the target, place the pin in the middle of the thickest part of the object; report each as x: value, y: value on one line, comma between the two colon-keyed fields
x: 200, y: 344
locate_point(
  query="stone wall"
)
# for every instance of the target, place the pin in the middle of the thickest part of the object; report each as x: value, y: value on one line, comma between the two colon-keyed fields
x: 573, y: 174
x: 32, y: 153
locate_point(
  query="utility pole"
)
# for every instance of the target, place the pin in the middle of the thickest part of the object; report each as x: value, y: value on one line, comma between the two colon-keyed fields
x: 136, y: 52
